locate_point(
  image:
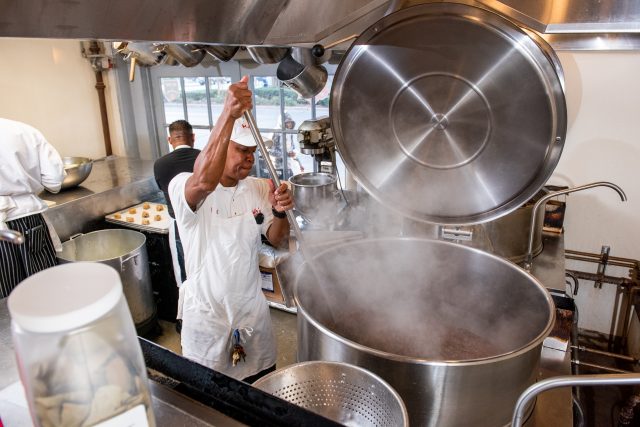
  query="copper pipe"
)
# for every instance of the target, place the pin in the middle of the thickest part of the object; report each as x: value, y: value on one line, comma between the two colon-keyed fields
x: 594, y: 255
x: 605, y: 353
x: 604, y: 368
x: 94, y: 48
x: 620, y: 281
x: 609, y: 262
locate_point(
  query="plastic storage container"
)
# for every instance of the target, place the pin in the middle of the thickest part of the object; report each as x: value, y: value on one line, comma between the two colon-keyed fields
x: 77, y: 350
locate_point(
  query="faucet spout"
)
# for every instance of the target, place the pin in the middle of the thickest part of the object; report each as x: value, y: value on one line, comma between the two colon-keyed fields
x: 12, y: 236
x: 529, y: 257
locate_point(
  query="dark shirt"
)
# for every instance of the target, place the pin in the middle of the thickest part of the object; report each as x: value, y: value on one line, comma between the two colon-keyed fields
x: 167, y: 167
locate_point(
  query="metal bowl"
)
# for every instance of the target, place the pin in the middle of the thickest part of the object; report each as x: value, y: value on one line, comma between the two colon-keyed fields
x: 313, y: 194
x: 77, y: 169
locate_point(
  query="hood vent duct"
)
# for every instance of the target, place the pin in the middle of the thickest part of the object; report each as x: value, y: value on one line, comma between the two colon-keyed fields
x: 612, y: 23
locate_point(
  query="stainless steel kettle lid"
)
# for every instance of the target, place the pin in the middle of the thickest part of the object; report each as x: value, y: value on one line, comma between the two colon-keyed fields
x: 448, y: 113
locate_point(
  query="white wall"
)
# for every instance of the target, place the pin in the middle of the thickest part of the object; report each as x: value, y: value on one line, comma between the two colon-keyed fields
x: 603, y: 144
x: 49, y: 85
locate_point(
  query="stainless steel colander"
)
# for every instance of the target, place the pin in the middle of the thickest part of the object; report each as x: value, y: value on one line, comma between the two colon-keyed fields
x: 339, y: 391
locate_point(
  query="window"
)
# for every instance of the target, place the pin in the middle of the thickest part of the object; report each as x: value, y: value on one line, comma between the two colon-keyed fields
x: 197, y: 100
x: 278, y: 110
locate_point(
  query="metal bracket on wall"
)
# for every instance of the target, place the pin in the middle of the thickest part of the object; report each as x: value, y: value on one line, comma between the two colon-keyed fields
x: 602, y: 266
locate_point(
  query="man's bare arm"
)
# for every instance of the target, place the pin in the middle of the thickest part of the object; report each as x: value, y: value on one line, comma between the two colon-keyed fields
x: 209, y: 165
x: 281, y: 201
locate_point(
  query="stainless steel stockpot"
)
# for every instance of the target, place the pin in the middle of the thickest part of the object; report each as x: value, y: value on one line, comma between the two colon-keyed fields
x: 456, y: 331
x: 313, y: 193
x: 125, y: 251
x: 307, y: 80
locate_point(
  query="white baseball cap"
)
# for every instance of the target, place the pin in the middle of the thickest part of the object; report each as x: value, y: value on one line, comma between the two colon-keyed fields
x: 242, y: 135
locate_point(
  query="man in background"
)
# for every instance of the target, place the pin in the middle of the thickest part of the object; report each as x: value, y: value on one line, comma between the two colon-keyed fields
x: 288, y: 145
x: 28, y: 165
x: 181, y: 159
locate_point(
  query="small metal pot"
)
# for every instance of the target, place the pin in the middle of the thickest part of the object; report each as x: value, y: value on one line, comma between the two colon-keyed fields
x: 144, y: 53
x: 185, y: 54
x: 306, y: 57
x: 456, y: 331
x: 267, y: 54
x: 312, y: 192
x: 307, y: 81
x: 125, y: 251
x: 219, y: 52
x: 508, y: 235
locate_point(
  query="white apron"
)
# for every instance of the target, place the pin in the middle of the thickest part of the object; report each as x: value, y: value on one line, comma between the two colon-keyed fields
x: 177, y: 271
x: 225, y: 295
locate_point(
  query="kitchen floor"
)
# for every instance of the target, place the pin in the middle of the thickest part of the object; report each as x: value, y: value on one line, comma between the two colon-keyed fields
x: 284, y: 328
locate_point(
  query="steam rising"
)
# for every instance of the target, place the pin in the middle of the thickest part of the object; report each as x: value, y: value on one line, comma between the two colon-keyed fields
x: 412, y: 296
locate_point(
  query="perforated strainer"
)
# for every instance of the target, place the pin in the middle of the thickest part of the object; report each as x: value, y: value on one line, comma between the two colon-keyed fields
x: 339, y: 391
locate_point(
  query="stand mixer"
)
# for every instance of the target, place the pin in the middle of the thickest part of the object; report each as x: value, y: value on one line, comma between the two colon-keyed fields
x: 316, y: 139
x: 315, y: 193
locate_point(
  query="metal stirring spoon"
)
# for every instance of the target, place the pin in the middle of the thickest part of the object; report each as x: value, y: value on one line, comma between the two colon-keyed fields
x: 306, y: 255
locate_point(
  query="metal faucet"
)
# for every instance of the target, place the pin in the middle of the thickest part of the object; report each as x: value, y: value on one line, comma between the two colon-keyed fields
x: 12, y: 236
x: 529, y: 258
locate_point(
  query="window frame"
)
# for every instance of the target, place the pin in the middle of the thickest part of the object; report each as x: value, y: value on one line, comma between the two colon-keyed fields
x: 232, y: 69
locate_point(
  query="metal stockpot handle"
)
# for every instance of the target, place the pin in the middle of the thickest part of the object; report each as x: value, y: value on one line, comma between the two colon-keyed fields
x: 567, y: 381
x: 12, y: 236
x: 129, y: 258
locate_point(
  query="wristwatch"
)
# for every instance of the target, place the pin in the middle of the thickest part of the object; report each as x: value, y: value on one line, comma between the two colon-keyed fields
x: 278, y: 214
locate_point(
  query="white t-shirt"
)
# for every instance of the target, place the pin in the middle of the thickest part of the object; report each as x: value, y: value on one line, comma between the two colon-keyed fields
x: 250, y: 195
x: 222, y: 293
x: 28, y: 165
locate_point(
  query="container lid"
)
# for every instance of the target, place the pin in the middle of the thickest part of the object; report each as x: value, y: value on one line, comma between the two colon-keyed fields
x: 448, y: 113
x: 65, y: 297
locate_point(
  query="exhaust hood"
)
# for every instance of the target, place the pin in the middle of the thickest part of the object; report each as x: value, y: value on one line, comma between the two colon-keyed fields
x: 571, y: 16
x: 227, y: 22
x: 290, y: 22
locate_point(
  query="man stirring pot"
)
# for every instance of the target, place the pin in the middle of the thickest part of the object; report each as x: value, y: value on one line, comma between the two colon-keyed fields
x: 221, y: 213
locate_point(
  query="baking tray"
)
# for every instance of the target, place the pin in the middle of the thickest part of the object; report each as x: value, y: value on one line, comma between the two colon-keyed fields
x: 136, y: 212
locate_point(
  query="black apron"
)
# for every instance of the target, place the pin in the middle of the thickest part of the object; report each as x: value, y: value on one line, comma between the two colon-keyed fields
x: 17, y: 262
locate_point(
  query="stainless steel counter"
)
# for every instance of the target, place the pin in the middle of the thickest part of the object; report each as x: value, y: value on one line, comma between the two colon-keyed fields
x: 114, y: 183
